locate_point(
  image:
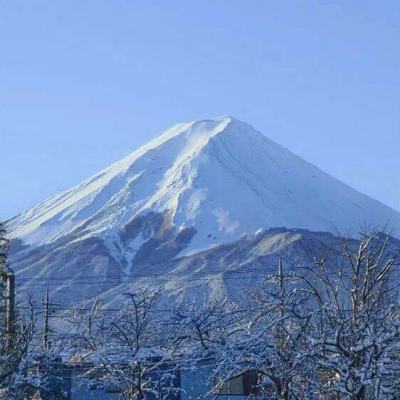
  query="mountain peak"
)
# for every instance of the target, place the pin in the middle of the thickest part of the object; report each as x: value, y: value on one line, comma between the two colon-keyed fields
x: 218, y: 178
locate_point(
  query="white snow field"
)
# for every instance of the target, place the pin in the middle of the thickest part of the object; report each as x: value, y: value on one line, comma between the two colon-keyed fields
x: 204, y: 211
x: 221, y: 177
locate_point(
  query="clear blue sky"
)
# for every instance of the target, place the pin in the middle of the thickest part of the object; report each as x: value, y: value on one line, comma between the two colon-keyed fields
x: 84, y: 82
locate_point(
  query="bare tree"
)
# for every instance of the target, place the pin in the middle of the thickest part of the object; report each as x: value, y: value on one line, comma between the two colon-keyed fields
x: 356, y: 331
x: 203, y: 327
x: 128, y: 350
x: 273, y: 340
x: 205, y: 331
x: 12, y: 358
x: 16, y: 335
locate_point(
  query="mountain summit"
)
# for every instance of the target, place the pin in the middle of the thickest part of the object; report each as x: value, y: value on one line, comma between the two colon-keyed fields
x: 222, y: 178
x: 214, y: 180
x: 204, y: 195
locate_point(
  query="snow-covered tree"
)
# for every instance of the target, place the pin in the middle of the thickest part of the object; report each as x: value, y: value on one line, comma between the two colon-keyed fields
x: 273, y: 340
x: 12, y: 358
x: 203, y: 327
x: 42, y: 376
x: 356, y: 326
x: 128, y: 350
x: 26, y: 370
x: 15, y: 336
x: 204, y: 331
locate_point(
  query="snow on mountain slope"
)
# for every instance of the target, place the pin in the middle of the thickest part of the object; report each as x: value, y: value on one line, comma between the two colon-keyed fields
x: 221, y: 178
x: 202, y: 197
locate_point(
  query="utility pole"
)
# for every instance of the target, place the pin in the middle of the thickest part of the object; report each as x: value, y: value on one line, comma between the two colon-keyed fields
x: 7, y: 280
x: 46, y: 328
x: 280, y: 281
x: 9, y: 299
x: 281, y: 276
x: 8, y: 296
x: 46, y: 323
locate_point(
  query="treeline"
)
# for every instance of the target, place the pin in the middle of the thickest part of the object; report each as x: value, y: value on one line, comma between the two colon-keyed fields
x: 332, y: 332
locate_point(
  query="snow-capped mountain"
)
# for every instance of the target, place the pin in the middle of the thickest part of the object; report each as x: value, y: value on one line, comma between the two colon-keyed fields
x: 221, y: 177
x: 198, y: 185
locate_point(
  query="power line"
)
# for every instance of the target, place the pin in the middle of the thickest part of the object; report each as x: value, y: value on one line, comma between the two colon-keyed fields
x: 167, y: 274
x: 121, y: 278
x: 206, y: 277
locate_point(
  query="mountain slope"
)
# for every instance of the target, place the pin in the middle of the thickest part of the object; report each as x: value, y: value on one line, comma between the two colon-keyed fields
x: 222, y: 177
x: 199, y: 185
